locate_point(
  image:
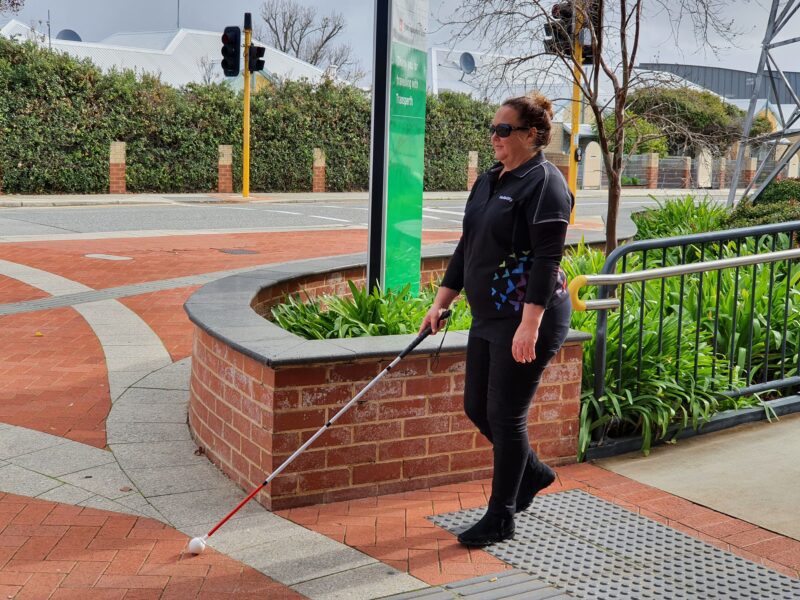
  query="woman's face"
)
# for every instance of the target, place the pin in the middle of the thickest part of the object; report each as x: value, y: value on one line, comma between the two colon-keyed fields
x: 517, y: 147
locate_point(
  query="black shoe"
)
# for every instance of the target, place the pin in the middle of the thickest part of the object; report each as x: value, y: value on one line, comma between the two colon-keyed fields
x: 533, y: 482
x: 489, y: 530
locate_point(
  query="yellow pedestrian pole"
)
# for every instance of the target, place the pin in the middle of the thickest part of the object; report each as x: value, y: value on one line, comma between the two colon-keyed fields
x: 577, y: 55
x: 248, y: 34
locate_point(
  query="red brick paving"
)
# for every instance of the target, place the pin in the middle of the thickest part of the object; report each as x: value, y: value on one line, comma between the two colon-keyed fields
x: 394, y: 529
x: 57, y: 382
x: 163, y: 312
x: 12, y: 290
x: 61, y: 552
x: 160, y: 258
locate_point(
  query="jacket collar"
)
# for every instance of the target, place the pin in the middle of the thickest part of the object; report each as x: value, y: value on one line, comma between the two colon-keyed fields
x: 522, y: 170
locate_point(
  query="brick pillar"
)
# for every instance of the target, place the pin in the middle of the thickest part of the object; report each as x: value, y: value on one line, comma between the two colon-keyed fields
x: 472, y: 169
x: 651, y: 170
x: 116, y: 168
x: 225, y: 170
x: 318, y: 181
x: 686, y: 176
x: 722, y: 172
x: 748, y: 171
x: 560, y: 160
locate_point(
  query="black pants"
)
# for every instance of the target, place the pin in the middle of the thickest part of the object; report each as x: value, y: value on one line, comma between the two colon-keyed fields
x: 497, y: 396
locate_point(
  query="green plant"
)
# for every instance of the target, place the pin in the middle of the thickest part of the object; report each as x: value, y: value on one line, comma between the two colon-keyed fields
x: 625, y: 180
x: 641, y: 136
x: 679, y: 216
x: 778, y: 203
x: 363, y: 313
x: 785, y: 190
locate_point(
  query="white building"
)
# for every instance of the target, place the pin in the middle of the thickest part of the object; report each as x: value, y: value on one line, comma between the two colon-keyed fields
x: 178, y: 56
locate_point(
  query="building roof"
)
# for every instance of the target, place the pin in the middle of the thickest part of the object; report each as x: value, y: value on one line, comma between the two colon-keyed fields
x: 178, y: 56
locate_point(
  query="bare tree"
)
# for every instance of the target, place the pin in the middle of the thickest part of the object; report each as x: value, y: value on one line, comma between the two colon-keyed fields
x: 11, y: 6
x: 515, y: 29
x: 206, y: 67
x: 300, y: 31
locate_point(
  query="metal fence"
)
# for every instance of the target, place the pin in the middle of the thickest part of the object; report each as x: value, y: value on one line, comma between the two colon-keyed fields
x: 735, y: 323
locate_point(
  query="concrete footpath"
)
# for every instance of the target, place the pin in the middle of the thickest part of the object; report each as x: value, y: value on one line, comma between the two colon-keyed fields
x: 101, y: 485
x: 45, y: 200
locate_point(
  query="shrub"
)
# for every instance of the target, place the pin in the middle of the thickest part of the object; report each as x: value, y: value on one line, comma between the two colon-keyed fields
x: 679, y: 216
x: 58, y: 116
x: 363, y: 313
x: 778, y: 203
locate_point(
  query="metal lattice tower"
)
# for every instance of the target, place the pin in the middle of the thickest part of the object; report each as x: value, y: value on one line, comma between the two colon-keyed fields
x: 781, y: 13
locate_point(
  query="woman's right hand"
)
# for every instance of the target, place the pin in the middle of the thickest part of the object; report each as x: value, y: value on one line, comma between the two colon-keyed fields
x: 432, y: 318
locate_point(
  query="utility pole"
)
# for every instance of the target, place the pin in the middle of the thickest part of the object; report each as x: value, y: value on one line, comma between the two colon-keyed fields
x: 248, y: 36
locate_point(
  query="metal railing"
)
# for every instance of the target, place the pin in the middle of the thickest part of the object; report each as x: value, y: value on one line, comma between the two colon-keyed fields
x: 761, y: 346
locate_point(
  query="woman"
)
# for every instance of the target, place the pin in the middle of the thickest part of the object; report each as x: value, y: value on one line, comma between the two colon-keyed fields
x: 507, y: 261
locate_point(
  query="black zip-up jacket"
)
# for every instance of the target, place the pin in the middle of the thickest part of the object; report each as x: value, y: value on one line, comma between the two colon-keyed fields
x: 512, y: 240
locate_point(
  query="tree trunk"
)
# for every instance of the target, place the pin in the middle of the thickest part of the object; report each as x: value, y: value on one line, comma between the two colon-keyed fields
x: 614, y: 193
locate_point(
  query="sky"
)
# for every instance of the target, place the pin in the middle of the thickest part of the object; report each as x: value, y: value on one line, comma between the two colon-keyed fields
x: 96, y: 19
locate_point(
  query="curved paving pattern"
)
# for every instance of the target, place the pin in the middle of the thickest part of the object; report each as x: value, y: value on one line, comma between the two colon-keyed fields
x: 50, y: 550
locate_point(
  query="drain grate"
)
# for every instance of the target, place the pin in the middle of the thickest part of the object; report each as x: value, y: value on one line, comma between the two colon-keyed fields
x: 594, y: 549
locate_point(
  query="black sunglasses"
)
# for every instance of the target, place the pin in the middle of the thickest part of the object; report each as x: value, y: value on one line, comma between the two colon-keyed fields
x: 504, y: 130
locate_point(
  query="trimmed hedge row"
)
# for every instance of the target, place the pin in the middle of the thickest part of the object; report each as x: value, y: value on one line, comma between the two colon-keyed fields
x: 58, y: 116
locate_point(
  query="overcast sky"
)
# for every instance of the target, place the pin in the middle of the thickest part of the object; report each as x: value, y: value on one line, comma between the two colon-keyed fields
x: 95, y: 19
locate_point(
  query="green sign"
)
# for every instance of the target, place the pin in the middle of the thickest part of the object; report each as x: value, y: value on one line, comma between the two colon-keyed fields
x: 406, y: 145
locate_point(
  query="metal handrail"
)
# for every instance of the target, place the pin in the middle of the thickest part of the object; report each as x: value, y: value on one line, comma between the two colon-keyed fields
x: 614, y: 279
x: 663, y: 244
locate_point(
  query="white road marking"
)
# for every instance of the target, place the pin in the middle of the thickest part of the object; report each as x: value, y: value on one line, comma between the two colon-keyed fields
x: 283, y: 212
x: 329, y: 218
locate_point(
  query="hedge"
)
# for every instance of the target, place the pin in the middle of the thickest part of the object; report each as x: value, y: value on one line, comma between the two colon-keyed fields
x: 58, y: 116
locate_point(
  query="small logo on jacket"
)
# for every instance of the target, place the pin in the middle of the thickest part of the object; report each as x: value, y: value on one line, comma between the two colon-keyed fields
x: 507, y: 198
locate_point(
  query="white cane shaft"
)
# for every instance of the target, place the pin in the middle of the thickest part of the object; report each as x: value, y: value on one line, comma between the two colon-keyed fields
x: 327, y: 425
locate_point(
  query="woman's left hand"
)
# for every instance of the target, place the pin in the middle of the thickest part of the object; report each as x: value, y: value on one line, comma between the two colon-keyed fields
x: 523, y: 348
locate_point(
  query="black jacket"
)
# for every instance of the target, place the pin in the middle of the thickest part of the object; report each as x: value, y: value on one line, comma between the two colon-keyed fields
x: 512, y: 240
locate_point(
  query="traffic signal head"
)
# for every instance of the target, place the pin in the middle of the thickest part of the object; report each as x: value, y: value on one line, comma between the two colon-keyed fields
x: 231, y: 50
x: 595, y: 22
x: 255, y: 58
x: 559, y: 32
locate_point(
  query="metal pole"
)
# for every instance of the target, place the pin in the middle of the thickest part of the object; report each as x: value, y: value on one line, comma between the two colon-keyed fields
x: 248, y: 33
x: 577, y: 57
x: 378, y: 151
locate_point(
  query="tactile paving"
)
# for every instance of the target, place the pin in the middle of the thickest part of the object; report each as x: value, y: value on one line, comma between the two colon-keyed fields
x: 594, y: 549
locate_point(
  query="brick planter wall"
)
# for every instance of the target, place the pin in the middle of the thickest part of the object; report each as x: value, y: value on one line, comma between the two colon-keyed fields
x: 411, y: 432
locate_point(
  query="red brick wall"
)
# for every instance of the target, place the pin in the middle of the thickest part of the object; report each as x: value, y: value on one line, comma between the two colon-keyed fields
x: 318, y: 182
x: 116, y: 178
x: 411, y: 433
x: 225, y: 179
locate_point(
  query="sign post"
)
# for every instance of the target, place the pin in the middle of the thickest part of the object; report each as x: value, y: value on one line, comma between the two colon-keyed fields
x: 398, y: 144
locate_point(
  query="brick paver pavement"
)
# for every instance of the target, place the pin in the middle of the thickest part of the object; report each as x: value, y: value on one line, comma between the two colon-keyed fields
x: 163, y: 312
x: 159, y: 258
x: 55, y: 382
x: 393, y: 528
x: 12, y: 290
x: 60, y: 552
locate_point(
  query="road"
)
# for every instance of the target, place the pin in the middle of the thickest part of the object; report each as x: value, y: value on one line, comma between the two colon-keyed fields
x: 177, y: 216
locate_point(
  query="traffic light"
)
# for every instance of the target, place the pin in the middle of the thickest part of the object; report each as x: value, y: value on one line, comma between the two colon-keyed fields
x: 594, y: 16
x: 560, y: 30
x: 255, y: 58
x: 231, y: 50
